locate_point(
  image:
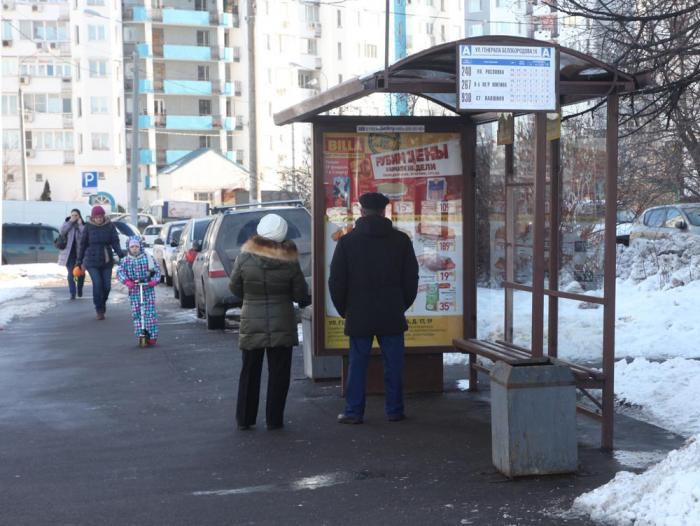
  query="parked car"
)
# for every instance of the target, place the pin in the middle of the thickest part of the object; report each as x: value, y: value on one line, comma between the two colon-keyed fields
x: 164, y: 246
x: 190, y: 242
x: 125, y: 231
x: 213, y: 265
x: 665, y: 221
x: 28, y: 243
x: 144, y: 220
x: 151, y: 233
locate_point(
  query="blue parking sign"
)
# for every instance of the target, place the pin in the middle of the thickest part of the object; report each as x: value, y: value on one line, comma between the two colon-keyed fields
x: 89, y: 180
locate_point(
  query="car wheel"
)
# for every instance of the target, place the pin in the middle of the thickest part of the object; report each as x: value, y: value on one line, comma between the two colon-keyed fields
x: 168, y: 277
x: 215, y: 322
x: 176, y: 289
x: 186, y: 302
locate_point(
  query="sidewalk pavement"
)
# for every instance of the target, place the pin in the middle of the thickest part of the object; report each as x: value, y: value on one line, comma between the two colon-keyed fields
x: 97, y: 431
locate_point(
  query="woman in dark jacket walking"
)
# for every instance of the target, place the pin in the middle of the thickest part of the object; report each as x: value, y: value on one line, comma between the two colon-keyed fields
x: 72, y: 230
x: 267, y: 276
x: 99, y: 239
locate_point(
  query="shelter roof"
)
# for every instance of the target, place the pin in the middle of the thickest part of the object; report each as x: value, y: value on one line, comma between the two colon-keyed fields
x: 432, y: 74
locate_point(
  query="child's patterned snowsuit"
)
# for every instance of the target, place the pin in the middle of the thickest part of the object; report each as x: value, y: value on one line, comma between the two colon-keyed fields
x: 141, y: 268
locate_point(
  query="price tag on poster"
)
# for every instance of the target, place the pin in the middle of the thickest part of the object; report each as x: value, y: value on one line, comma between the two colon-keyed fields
x: 506, y: 78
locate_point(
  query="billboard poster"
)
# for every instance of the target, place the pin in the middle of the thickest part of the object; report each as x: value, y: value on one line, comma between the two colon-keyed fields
x: 421, y: 174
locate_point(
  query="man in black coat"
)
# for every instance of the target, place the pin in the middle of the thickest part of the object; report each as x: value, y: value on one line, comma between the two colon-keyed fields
x: 373, y: 281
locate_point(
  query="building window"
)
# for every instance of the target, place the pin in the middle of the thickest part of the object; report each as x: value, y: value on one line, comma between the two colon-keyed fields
x: 205, y: 141
x: 10, y: 178
x: 6, y: 30
x: 101, y: 176
x: 237, y: 88
x: 202, y: 72
x: 43, y: 103
x: 204, y: 107
x: 305, y: 79
x: 98, y: 105
x: 39, y: 178
x: 312, y: 13
x: 96, y: 33
x: 9, y: 104
x: 95, y: 2
x: 98, y: 68
x: 236, y: 53
x: 476, y: 30
x: 52, y: 140
x: 239, y: 122
x: 474, y: 6
x: 200, y: 5
x: 309, y: 46
x: 340, y: 50
x: 340, y: 18
x: 100, y: 141
x: 203, y: 38
x: 429, y: 28
x: 239, y: 156
x: 10, y: 139
x: 370, y: 51
x: 80, y: 143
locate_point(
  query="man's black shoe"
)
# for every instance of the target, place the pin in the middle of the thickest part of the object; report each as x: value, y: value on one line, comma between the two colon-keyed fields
x: 243, y: 428
x: 396, y: 418
x: 349, y: 419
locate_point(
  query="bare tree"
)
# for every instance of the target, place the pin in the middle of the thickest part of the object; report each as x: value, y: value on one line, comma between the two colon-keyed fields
x: 662, y: 38
x: 299, y: 180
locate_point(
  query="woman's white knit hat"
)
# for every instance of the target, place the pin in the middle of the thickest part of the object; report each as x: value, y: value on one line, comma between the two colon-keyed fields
x: 273, y: 227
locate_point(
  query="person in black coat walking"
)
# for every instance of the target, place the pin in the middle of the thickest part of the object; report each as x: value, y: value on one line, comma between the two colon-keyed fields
x: 373, y: 281
x: 99, y: 239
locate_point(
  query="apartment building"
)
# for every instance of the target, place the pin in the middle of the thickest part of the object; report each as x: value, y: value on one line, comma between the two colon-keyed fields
x: 191, y: 85
x: 61, y: 83
x: 303, y: 48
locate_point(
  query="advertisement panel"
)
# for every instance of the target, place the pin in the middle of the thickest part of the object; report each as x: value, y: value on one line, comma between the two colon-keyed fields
x: 421, y: 174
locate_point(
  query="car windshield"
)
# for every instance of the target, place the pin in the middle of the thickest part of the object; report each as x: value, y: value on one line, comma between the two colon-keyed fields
x: 236, y: 229
x: 625, y: 216
x: 200, y: 228
x: 693, y: 214
x: 175, y: 229
x: 152, y: 231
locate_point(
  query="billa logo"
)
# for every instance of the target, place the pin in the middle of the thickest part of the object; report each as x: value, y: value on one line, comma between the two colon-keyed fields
x: 344, y: 145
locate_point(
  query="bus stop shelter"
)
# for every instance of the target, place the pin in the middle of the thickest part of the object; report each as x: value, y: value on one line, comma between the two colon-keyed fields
x: 509, y: 218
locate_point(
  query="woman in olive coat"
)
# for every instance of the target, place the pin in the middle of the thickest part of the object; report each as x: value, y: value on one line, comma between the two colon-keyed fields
x: 268, y: 278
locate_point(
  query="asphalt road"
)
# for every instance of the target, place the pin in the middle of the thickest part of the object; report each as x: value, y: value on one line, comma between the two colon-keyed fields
x: 95, y: 431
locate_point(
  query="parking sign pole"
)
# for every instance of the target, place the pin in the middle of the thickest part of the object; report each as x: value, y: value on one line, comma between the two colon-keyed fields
x: 134, y: 183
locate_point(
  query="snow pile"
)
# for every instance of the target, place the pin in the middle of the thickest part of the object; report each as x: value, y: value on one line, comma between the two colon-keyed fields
x: 669, y: 492
x: 666, y: 393
x: 661, y: 264
x: 20, y: 281
x: 666, y: 494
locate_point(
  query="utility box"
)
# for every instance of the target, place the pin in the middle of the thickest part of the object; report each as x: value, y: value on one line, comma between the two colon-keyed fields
x: 316, y: 367
x: 533, y: 418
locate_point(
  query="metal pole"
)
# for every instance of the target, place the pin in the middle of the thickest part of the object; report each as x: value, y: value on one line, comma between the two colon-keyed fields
x: 134, y: 183
x: 386, y: 48
x: 554, y: 247
x: 23, y: 145
x: 538, y: 235
x: 252, y: 112
x: 609, y: 275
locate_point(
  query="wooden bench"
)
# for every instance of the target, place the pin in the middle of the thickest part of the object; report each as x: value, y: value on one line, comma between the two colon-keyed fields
x: 585, y: 377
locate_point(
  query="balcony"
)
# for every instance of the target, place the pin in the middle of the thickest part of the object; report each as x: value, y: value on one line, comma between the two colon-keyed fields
x: 144, y: 50
x: 146, y: 122
x: 229, y: 123
x: 178, y: 52
x: 187, y: 87
x: 135, y: 14
x: 191, y: 122
x: 226, y: 20
x: 146, y: 157
x: 145, y: 86
x: 185, y: 17
x: 175, y: 155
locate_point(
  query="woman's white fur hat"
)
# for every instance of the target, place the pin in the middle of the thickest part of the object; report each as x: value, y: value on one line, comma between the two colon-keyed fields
x: 273, y: 227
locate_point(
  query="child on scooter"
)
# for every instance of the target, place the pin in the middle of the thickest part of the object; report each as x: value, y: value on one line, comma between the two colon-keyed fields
x: 140, y: 268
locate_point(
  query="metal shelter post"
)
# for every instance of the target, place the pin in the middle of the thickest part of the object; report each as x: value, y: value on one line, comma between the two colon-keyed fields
x: 554, y: 246
x: 609, y: 275
x: 510, y: 222
x: 538, y: 234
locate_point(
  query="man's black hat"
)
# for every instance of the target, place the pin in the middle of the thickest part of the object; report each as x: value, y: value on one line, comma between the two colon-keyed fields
x: 373, y: 201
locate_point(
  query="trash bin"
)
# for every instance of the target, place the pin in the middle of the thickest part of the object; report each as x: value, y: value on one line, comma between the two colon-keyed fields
x: 533, y: 418
x: 316, y: 367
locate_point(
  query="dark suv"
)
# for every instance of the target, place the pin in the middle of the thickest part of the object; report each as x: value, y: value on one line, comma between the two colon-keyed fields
x: 230, y: 229
x: 28, y: 243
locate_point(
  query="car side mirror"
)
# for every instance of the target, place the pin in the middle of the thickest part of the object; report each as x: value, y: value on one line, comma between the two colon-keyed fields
x: 174, y: 244
x: 197, y: 245
x: 159, y: 241
x: 681, y: 225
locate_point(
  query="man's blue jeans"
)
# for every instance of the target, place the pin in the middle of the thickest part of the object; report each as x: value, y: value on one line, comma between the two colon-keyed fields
x: 101, y: 285
x: 393, y: 351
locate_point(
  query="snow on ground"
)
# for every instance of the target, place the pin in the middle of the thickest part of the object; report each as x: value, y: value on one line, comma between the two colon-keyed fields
x: 21, y: 289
